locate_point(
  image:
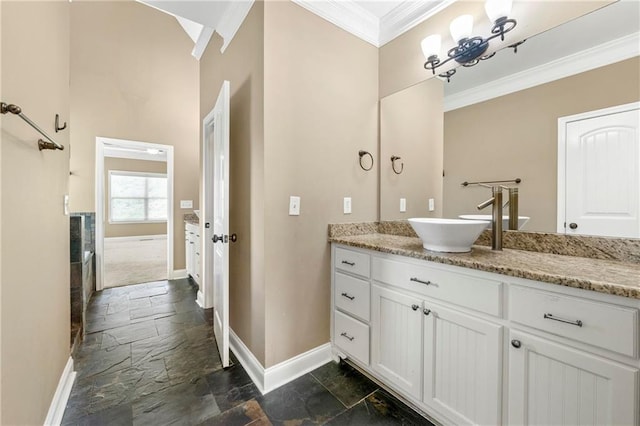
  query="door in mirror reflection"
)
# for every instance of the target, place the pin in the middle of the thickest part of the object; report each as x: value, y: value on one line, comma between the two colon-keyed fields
x: 602, y: 175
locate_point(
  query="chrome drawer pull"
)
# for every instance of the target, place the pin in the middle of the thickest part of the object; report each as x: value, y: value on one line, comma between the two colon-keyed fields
x: 346, y: 336
x: 416, y: 280
x: 348, y: 297
x: 346, y: 262
x: 551, y: 317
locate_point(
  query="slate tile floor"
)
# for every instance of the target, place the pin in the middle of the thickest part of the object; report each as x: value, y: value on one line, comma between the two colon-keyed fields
x: 149, y: 358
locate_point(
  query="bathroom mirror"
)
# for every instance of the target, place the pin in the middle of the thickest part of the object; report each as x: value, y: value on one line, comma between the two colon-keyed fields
x: 486, y: 134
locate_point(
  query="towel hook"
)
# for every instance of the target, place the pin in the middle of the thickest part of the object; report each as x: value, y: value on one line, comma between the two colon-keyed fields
x: 362, y: 153
x: 393, y: 164
x: 58, y: 128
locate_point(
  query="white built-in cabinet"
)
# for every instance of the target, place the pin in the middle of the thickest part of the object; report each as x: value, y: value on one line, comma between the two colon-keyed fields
x: 471, y: 347
x: 192, y: 251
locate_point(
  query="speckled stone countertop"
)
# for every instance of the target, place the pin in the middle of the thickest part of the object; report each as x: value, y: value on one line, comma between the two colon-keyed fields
x: 604, y: 276
x: 191, y: 218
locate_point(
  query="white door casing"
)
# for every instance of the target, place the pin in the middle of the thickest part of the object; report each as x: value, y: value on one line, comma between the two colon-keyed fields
x: 599, y: 172
x: 216, y: 213
x: 101, y: 207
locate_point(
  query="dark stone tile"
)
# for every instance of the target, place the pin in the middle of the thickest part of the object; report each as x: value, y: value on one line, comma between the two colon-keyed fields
x: 380, y: 408
x: 179, y: 322
x: 107, y: 322
x: 118, y: 415
x: 104, y: 361
x: 186, y: 403
x: 344, y: 382
x: 249, y: 413
x: 186, y: 305
x: 231, y: 387
x: 193, y: 360
x: 128, y: 333
x: 148, y: 291
x: 153, y: 312
x: 157, y: 347
x: 302, y: 401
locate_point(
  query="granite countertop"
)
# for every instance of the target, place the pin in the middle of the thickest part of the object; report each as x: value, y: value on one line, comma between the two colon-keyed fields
x: 604, y: 276
x: 191, y: 218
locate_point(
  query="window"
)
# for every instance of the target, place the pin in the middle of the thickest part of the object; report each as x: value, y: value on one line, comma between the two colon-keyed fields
x: 137, y: 197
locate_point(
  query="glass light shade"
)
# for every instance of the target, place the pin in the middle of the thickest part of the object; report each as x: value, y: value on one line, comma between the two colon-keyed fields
x: 431, y: 45
x: 461, y: 27
x: 497, y: 9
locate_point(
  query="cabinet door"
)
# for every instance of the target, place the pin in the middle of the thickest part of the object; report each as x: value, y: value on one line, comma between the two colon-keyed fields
x: 550, y: 384
x: 396, y: 341
x: 462, y: 366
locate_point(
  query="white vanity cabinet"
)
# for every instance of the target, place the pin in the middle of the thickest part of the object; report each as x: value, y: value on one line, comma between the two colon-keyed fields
x: 552, y: 384
x: 192, y: 251
x: 472, y: 347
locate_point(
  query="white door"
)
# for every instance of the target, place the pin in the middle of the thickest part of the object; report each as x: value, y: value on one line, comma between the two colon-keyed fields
x: 396, y: 341
x: 603, y: 175
x: 219, y: 216
x: 550, y: 384
x: 462, y: 364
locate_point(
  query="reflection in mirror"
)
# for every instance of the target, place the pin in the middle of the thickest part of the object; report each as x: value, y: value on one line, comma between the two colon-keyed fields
x: 501, y: 131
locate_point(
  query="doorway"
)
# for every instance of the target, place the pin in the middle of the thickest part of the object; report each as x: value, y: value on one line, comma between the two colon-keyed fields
x: 134, y: 212
x: 599, y: 172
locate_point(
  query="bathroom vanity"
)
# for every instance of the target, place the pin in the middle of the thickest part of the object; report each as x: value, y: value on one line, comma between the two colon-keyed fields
x: 488, y: 337
x: 192, y: 247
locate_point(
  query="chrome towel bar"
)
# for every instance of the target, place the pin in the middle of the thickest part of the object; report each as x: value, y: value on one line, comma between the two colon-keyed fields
x: 15, y: 109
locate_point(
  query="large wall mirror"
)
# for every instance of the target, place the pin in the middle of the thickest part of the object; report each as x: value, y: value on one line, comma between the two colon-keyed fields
x: 499, y: 119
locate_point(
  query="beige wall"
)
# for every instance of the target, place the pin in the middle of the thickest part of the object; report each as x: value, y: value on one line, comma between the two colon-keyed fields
x: 243, y: 65
x: 300, y: 111
x: 320, y: 109
x: 133, y: 77
x: 35, y: 232
x: 516, y: 136
x: 132, y: 229
x: 411, y: 126
x: 401, y: 60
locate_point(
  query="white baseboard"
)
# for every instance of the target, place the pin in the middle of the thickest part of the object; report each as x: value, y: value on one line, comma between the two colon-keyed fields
x: 200, y: 299
x: 252, y: 366
x: 280, y: 374
x: 60, y: 398
x: 136, y: 238
x: 179, y: 274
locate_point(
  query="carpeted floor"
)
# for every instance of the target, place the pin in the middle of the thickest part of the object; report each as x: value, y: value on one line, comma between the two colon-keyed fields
x: 134, y: 261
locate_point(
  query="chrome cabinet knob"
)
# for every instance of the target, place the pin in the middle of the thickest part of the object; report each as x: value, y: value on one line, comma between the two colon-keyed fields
x: 415, y: 307
x: 516, y: 343
x: 573, y: 225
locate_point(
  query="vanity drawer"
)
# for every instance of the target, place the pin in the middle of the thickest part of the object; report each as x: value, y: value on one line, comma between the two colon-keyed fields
x: 352, y: 261
x: 352, y: 295
x: 464, y: 290
x: 599, y: 324
x: 352, y: 336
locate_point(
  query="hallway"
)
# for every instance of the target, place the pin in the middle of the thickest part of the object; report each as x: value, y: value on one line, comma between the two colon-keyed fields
x: 149, y: 358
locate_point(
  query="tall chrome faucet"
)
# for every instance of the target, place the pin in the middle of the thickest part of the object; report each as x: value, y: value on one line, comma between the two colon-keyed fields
x: 496, y: 216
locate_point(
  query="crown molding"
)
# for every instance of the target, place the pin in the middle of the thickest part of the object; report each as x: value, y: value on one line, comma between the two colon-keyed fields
x: 406, y: 16
x: 346, y: 15
x: 231, y: 20
x: 363, y: 24
x: 598, y: 56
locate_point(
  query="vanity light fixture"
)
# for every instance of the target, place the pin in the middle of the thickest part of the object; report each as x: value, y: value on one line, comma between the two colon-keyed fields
x: 470, y: 49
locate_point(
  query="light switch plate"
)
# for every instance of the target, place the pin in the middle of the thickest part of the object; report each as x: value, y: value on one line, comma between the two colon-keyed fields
x: 432, y: 204
x: 186, y: 204
x: 403, y: 205
x: 347, y: 205
x: 294, y: 206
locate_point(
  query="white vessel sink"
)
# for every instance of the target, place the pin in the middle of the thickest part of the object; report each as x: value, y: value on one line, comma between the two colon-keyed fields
x: 505, y: 219
x: 448, y: 235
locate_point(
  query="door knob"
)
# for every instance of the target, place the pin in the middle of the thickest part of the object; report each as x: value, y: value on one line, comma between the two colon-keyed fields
x: 217, y: 238
x: 233, y: 238
x: 573, y: 225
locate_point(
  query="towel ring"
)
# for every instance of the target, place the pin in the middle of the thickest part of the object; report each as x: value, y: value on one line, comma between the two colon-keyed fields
x: 362, y: 153
x: 393, y: 164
